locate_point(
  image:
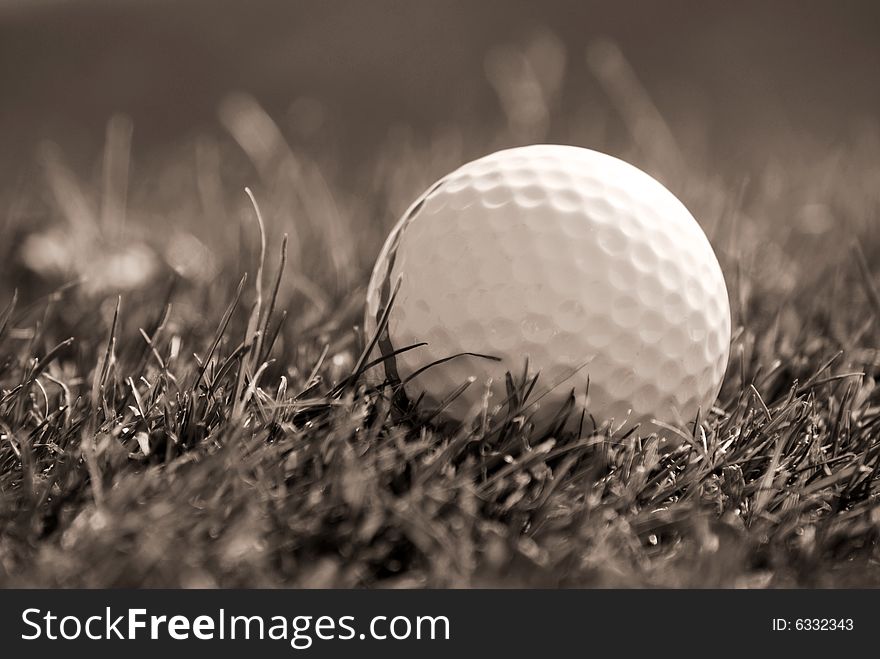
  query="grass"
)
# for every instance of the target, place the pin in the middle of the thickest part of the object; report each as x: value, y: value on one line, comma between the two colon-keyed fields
x: 166, y: 420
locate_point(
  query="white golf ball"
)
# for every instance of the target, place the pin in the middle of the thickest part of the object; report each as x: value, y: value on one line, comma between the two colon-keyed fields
x: 572, y: 261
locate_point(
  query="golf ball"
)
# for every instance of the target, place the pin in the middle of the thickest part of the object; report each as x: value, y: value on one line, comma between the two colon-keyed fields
x: 557, y: 262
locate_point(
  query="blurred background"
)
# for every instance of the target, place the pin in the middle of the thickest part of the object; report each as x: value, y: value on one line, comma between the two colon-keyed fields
x: 135, y: 121
x: 784, y: 70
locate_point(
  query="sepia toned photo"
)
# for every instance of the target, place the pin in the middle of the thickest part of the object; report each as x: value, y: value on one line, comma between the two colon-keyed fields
x: 439, y: 295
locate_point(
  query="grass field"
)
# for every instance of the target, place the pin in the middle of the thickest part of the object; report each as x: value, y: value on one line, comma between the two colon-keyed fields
x: 167, y: 421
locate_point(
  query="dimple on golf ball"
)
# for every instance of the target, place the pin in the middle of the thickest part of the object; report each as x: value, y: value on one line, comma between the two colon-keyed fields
x: 572, y: 262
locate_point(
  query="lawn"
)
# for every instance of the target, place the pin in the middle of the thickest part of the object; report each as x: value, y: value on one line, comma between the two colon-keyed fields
x: 182, y: 400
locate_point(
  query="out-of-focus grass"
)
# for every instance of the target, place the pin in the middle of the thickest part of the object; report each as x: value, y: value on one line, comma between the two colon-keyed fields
x: 165, y: 423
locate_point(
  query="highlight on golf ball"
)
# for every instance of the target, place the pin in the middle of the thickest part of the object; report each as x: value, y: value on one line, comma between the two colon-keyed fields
x: 570, y: 273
